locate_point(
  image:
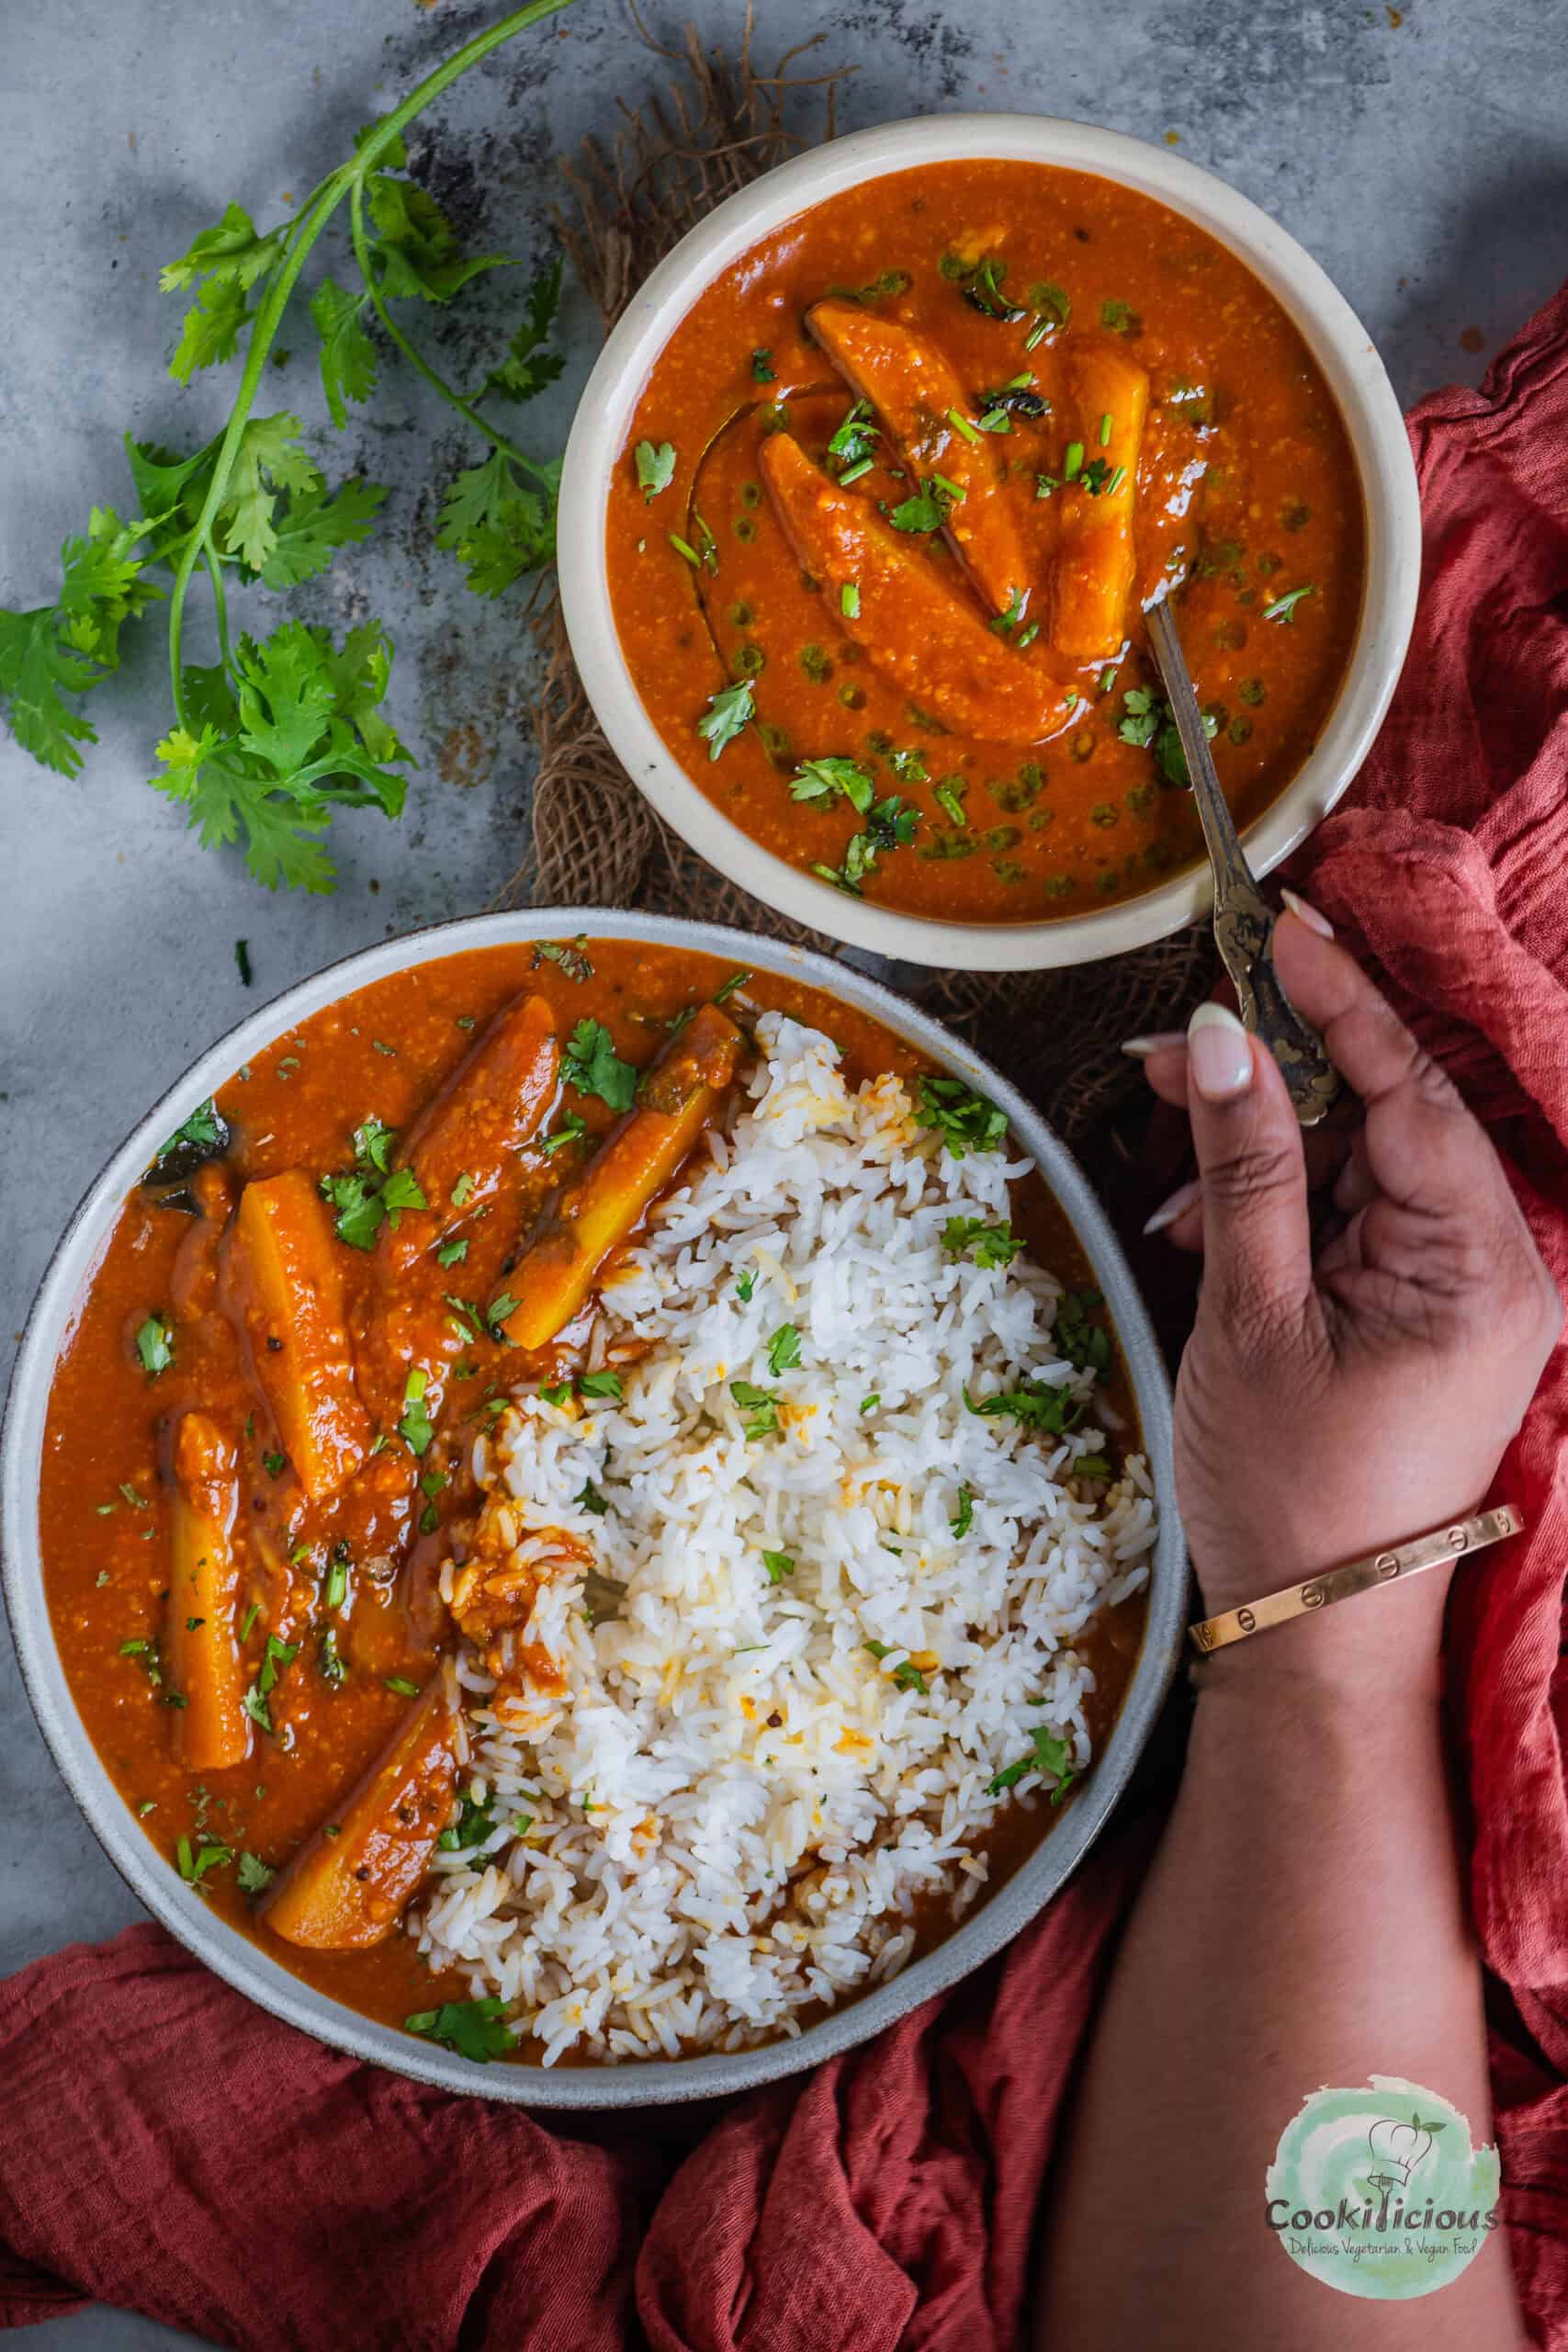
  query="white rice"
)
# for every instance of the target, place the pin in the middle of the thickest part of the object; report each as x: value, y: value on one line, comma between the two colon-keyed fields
x: 734, y: 1811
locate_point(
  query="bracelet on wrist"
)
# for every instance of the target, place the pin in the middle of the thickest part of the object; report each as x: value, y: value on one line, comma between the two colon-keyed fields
x: 1451, y: 1542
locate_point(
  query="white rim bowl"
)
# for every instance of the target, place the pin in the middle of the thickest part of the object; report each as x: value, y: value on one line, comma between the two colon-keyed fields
x: 1333, y: 334
x: 246, y: 1965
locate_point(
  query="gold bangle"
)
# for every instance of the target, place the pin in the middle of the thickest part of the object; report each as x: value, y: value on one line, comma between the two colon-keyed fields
x: 1431, y: 1550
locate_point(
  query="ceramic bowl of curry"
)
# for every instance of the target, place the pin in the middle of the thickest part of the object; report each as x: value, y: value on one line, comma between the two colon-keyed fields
x: 871, y: 485
x: 243, y: 1422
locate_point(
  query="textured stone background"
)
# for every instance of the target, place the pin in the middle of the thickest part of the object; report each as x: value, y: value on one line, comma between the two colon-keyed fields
x: 1422, y: 159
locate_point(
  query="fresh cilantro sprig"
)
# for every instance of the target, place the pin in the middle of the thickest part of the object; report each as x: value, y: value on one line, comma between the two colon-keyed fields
x: 269, y: 742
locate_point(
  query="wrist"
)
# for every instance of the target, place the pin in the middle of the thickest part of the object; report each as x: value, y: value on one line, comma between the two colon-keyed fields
x: 1366, y: 1652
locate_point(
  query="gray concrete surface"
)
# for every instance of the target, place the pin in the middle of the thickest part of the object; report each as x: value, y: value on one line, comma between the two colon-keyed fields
x: 1424, y: 160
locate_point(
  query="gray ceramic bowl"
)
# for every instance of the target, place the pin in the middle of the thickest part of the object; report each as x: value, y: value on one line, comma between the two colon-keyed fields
x: 244, y: 1964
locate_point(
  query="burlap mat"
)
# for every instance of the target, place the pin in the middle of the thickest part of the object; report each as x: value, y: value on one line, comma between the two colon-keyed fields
x: 714, y: 127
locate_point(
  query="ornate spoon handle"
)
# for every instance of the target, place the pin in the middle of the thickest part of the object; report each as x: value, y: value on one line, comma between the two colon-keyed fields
x: 1244, y: 921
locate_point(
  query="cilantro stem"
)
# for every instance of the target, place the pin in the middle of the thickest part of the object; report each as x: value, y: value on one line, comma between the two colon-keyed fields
x: 416, y: 358
x: 219, y: 599
x: 348, y: 178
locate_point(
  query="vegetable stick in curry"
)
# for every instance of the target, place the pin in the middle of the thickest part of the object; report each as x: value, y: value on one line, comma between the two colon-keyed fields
x: 287, y: 1286
x: 917, y: 629
x: 642, y: 1156
x: 459, y: 1147
x: 1091, y: 574
x: 918, y: 393
x: 346, y: 1887
x: 200, y: 1653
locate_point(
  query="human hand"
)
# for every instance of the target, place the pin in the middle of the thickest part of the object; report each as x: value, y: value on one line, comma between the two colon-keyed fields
x: 1325, y: 1410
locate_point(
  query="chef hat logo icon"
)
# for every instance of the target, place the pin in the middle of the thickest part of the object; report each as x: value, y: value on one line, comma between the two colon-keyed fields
x: 1398, y: 2147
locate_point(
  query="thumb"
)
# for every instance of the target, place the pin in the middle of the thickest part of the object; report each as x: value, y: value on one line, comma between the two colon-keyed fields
x: 1257, y: 1233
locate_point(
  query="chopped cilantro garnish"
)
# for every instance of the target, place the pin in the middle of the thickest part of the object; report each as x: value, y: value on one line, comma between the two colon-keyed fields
x: 926, y: 510
x: 1083, y: 1342
x: 745, y: 1284
x: 452, y: 1253
x: 760, y: 1411
x: 655, y: 468
x: 728, y: 988
x: 869, y: 1404
x: 462, y: 1191
x: 849, y: 600
x: 416, y: 1428
x: 473, y: 1823
x: 906, y: 1675
x: 964, y: 1120
x: 1283, y: 608
x: 155, y: 1346
x: 820, y: 779
x: 253, y: 1876
x: 784, y: 1350
x: 600, y: 1384
x: 591, y: 1500
x: 570, y: 1130
x: 208, y: 1856
x: 989, y: 1245
x: 199, y: 1137
x: 1048, y: 1755
x: 730, y: 709
x: 275, y: 1465
x: 567, y: 954
x: 779, y: 1564
x: 1033, y: 1404
x: 1149, y: 723
x: 592, y: 1065
x: 1118, y: 317
x: 761, y: 366
x: 963, y: 1519
x: 473, y: 2029
x: 251, y: 1613
x: 402, y: 1685
x: 335, y: 1590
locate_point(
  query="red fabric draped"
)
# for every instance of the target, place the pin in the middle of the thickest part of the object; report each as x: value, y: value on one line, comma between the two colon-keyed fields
x: 166, y: 2146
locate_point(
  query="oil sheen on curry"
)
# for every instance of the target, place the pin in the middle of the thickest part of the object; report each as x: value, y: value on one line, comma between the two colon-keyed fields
x: 588, y: 1507
x: 893, y: 502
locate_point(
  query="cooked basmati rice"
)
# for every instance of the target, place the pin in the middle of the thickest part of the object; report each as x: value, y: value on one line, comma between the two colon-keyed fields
x: 725, y: 1821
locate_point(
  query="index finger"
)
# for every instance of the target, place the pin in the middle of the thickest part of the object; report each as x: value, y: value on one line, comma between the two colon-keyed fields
x: 1424, y: 1148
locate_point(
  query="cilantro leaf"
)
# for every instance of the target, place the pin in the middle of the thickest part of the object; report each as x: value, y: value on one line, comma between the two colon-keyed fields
x: 730, y: 710
x: 592, y: 1064
x: 655, y: 468
x: 307, y: 738
x: 415, y: 249
x: 473, y: 2029
x: 989, y: 1245
x: 527, y: 368
x: 253, y: 1876
x: 1150, y: 724
x: 155, y: 1346
x: 1033, y: 1404
x: 1283, y: 608
x: 73, y: 645
x: 760, y: 1411
x: 231, y: 254
x: 498, y: 528
x: 473, y: 1823
x: 819, y: 779
x: 924, y: 511
x: 416, y: 1429
x: 211, y: 333
x: 964, y: 1120
x: 1083, y: 1342
x: 600, y: 1384
x: 348, y: 355
x: 313, y: 527
x: 963, y: 1519
x: 270, y: 460
x: 1048, y: 1755
x: 784, y: 1350
x: 779, y: 1564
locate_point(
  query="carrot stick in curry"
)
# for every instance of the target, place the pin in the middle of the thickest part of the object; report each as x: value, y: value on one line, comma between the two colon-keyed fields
x: 642, y: 1156
x: 916, y: 630
x: 460, y: 1145
x: 347, y: 1890
x: 287, y: 1287
x: 1092, y: 570
x: 918, y: 393
x: 200, y: 1653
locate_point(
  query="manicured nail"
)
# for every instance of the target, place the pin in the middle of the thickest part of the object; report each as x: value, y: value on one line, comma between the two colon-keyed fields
x: 1178, y: 1203
x: 1161, y: 1041
x: 1309, y: 915
x: 1219, y: 1053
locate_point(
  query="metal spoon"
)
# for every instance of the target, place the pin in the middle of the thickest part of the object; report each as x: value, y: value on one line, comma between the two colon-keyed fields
x: 1244, y: 921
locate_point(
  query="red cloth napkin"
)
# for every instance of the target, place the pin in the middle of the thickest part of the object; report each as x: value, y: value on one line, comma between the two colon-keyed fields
x: 165, y: 2146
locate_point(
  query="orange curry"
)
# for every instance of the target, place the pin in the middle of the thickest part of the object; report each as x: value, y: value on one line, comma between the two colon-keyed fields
x: 258, y: 1451
x: 893, y: 500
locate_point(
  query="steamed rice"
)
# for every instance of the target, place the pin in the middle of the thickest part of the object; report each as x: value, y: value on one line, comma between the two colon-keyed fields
x: 726, y: 1818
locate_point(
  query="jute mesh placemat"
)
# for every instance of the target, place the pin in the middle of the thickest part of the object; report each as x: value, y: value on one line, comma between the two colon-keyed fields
x: 715, y: 126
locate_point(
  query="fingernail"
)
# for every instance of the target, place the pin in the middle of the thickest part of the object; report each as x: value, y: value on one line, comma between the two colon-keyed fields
x: 1160, y: 1040
x: 1219, y: 1053
x: 1178, y: 1203
x: 1309, y: 915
